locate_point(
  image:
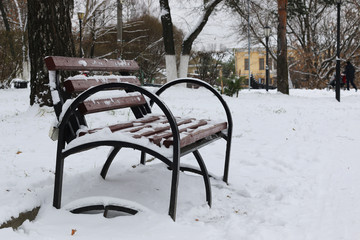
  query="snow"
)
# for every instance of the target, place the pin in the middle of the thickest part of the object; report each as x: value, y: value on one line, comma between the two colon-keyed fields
x: 294, y: 173
x: 52, y: 84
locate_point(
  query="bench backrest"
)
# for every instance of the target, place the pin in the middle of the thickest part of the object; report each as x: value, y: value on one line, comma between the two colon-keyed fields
x: 80, y: 82
x: 90, y: 64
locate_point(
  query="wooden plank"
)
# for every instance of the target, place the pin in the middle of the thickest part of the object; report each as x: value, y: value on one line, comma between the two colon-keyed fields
x: 122, y: 126
x: 113, y: 128
x: 90, y: 64
x: 80, y: 84
x: 197, y: 135
x: 100, y: 105
x: 163, y: 135
x: 147, y: 119
x: 157, y: 138
x: 157, y: 130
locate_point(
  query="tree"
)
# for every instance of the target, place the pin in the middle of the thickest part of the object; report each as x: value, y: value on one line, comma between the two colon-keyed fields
x: 282, y: 65
x: 208, y: 64
x: 49, y: 34
x: 7, y: 28
x: 13, y: 49
x: 168, y: 38
x: 99, y: 16
x: 207, y: 8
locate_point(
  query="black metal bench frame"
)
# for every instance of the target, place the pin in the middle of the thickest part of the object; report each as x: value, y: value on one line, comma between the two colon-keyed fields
x: 72, y: 114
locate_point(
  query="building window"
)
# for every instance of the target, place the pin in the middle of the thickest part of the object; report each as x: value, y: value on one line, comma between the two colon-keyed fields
x: 246, y: 63
x: 261, y: 64
x: 270, y: 64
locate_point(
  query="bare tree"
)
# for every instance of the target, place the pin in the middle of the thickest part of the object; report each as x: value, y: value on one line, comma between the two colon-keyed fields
x: 7, y: 28
x: 208, y: 64
x: 168, y: 37
x: 206, y: 10
x: 13, y: 49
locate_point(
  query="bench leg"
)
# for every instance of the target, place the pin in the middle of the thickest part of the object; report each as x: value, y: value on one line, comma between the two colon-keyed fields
x: 174, y: 188
x: 59, y: 169
x: 108, y: 162
x: 143, y: 157
x: 205, y: 175
x: 227, y: 160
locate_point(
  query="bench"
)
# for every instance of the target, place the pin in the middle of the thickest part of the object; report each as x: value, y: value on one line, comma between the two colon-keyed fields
x: 86, y: 92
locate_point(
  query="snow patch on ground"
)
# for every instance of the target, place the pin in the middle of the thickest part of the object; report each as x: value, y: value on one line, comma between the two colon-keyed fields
x: 294, y: 172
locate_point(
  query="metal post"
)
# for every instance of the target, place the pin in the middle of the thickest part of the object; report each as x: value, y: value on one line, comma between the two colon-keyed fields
x: 80, y: 23
x: 267, y: 63
x: 119, y: 28
x: 248, y: 3
x: 337, y: 90
x: 80, y: 16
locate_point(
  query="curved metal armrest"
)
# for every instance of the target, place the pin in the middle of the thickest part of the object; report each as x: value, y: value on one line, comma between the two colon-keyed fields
x: 207, y: 86
x: 153, y: 98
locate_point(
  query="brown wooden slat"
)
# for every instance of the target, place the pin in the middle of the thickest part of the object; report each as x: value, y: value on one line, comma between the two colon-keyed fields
x: 160, y: 120
x: 121, y: 126
x: 81, y: 84
x: 157, y: 139
x: 197, y: 135
x: 159, y: 134
x: 113, y: 128
x: 90, y: 64
x: 148, y: 119
x: 99, y: 105
x: 159, y: 129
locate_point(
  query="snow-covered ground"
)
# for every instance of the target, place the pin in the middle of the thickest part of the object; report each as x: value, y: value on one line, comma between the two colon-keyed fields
x: 294, y: 173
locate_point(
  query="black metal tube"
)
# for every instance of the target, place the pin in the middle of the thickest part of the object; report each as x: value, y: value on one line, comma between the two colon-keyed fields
x: 80, y: 23
x: 337, y: 90
x: 267, y: 63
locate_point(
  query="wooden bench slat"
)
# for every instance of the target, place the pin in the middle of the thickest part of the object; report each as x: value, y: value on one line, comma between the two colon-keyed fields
x: 100, y: 105
x: 121, y: 126
x: 113, y: 128
x: 162, y: 135
x: 158, y: 138
x: 156, y: 130
x: 197, y: 135
x: 79, y: 84
x: 90, y: 64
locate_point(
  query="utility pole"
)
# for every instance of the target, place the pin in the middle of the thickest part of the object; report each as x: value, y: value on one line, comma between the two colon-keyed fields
x: 338, y: 77
x: 119, y: 28
x: 248, y: 30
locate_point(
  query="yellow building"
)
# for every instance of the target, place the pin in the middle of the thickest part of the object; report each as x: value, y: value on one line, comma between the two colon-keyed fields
x: 257, y: 65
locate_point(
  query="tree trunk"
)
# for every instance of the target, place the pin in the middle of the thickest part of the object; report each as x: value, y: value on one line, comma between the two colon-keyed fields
x: 8, y: 30
x: 49, y: 34
x: 168, y: 36
x: 190, y: 38
x: 184, y: 66
x: 282, y: 65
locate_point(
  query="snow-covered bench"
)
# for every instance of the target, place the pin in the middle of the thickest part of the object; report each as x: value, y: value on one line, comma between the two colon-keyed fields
x: 161, y: 135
